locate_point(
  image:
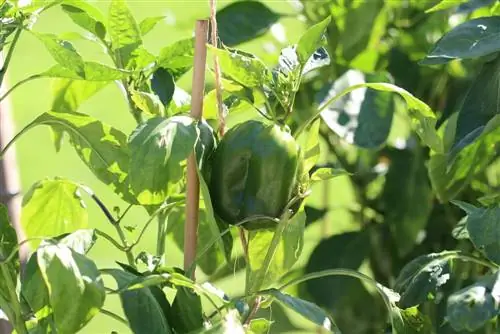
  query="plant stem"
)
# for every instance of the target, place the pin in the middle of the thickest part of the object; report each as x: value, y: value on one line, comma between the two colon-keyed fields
x: 128, y: 251
x: 9, y: 54
x: 253, y: 311
x: 115, y: 316
x: 162, y: 233
x: 110, y: 239
x: 15, y: 306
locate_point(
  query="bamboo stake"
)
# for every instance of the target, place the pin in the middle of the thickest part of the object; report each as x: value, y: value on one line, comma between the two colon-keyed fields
x: 193, y: 183
x: 10, y: 188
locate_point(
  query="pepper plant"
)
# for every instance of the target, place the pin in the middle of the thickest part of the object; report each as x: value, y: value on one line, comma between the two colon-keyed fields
x: 327, y: 109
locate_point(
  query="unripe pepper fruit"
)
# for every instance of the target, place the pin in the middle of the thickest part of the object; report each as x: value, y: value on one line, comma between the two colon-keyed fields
x: 257, y: 169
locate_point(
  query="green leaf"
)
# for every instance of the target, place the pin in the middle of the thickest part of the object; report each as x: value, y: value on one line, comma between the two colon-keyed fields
x: 159, y: 147
x: 149, y: 23
x: 451, y: 173
x: 312, y: 40
x: 483, y: 226
x: 244, y: 68
x: 187, y: 314
x: 69, y: 94
x: 163, y: 85
x: 273, y: 252
x: 422, y: 116
x: 178, y: 57
x: 416, y: 322
x: 52, y: 207
x: 472, y: 39
x: 102, y: 148
x: 81, y: 241
x: 63, y: 52
x: 259, y: 326
x: 309, y: 143
x: 142, y: 307
x: 244, y: 21
x: 362, y: 117
x: 445, y: 4
x: 480, y: 105
x: 460, y: 232
x: 406, y: 183
x: 423, y: 277
x: 148, y: 103
x: 325, y: 173
x: 8, y: 238
x: 307, y: 309
x: 75, y: 288
x: 350, y: 250
x: 124, y: 31
x: 92, y: 71
x: 318, y: 59
x: 470, y: 308
x: 86, y: 16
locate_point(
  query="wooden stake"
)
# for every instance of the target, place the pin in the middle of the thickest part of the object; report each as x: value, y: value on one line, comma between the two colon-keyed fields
x: 193, y: 184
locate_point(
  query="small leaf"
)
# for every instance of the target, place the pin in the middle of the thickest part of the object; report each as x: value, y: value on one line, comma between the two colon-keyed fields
x: 148, y: 103
x: 273, y: 252
x: 149, y: 23
x: 187, y: 313
x: 423, y: 277
x: 324, y: 173
x: 53, y: 207
x: 364, y: 116
x: 244, y: 21
x: 86, y: 16
x: 259, y: 326
x: 163, y: 85
x: 123, y: 30
x: 307, y: 309
x: 472, y: 39
x: 445, y: 4
x: 8, y: 238
x: 460, y: 232
x: 158, y: 149
x: 75, y: 288
x: 243, y: 68
x: 483, y: 225
x: 102, y: 148
x: 142, y: 307
x: 407, y: 183
x: 178, y: 57
x: 312, y: 40
x: 470, y: 308
x: 63, y: 52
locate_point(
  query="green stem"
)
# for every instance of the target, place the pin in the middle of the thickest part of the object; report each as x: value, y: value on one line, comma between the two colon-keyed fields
x: 160, y: 241
x: 9, y: 54
x: 17, y: 84
x: 17, y: 319
x: 114, y: 316
x: 110, y: 239
x: 128, y: 251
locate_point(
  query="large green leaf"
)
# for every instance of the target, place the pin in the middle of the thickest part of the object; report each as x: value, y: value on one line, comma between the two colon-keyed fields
x: 350, y: 251
x: 307, y: 309
x: 8, y: 243
x: 86, y: 16
x: 124, y: 31
x: 406, y: 184
x: 69, y: 94
x: 209, y: 230
x: 311, y: 40
x: 423, y: 277
x: 81, y: 241
x: 472, y: 39
x: 480, y: 105
x: 244, y: 21
x: 101, y: 147
x: 159, y: 149
x: 52, y: 207
x: 187, y: 313
x: 75, y: 288
x: 483, y: 227
x: 63, y: 52
x: 177, y: 57
x: 362, y: 117
x: 144, y: 308
x: 243, y: 68
x: 273, y: 252
x: 470, y: 308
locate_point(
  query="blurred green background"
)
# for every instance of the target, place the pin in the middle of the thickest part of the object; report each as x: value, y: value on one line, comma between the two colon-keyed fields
x: 38, y: 159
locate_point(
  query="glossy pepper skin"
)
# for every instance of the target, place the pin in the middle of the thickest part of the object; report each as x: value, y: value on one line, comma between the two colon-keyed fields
x: 256, y: 170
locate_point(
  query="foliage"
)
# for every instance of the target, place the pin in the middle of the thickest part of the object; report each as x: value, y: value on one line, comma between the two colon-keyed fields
x: 399, y: 100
